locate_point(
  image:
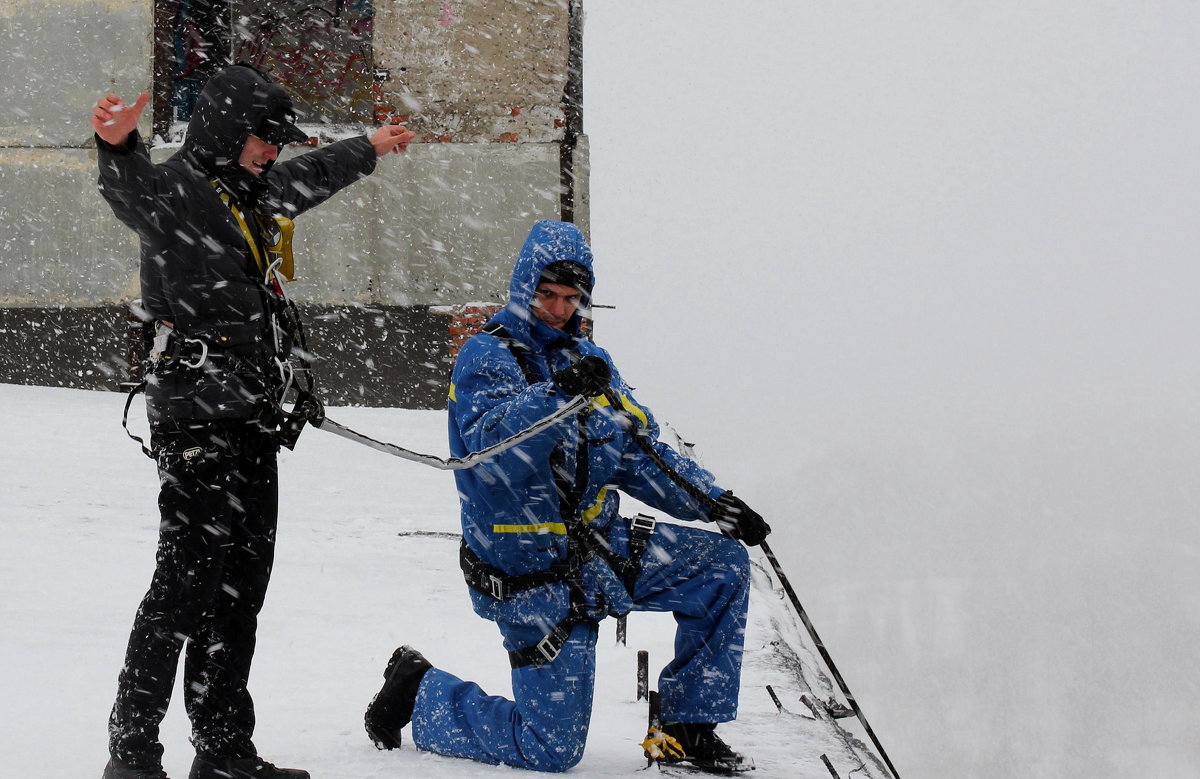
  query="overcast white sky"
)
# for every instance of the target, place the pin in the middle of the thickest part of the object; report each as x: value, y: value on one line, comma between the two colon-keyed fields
x: 921, y: 278
x: 923, y: 198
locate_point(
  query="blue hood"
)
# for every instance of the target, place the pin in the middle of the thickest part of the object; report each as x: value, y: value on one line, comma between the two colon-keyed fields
x: 548, y: 242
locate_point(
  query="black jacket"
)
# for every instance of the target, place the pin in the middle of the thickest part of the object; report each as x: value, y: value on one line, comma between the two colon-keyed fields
x: 197, y: 271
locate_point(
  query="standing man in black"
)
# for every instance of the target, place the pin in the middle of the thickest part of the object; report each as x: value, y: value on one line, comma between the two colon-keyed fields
x: 214, y: 224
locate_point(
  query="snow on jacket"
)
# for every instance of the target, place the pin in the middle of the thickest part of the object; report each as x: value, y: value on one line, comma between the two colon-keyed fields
x: 511, y: 515
x: 197, y: 270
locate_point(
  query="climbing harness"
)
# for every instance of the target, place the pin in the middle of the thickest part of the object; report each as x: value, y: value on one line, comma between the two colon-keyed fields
x: 491, y: 581
x: 287, y: 373
x: 271, y: 241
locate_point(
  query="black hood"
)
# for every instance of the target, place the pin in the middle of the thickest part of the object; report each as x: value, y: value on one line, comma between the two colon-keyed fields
x: 236, y: 103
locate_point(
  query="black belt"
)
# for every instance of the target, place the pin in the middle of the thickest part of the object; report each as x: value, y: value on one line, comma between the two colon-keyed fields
x: 190, y: 352
x: 490, y: 580
x: 493, y: 582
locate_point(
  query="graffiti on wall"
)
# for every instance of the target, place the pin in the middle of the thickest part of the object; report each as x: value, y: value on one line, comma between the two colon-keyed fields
x: 321, y: 51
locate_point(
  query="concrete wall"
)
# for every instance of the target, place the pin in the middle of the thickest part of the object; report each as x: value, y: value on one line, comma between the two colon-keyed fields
x: 482, y: 83
x: 476, y: 71
x: 439, y: 225
x: 58, y: 56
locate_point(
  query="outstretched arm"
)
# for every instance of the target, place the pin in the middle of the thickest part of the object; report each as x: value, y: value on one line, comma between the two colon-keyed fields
x: 130, y: 183
x: 302, y: 182
x: 661, y: 477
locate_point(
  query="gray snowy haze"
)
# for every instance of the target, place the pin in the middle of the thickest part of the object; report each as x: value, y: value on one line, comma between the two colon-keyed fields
x: 920, y: 280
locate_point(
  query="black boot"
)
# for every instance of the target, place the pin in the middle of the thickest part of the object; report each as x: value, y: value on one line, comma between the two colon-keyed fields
x: 118, y: 770
x: 703, y: 749
x: 392, y: 707
x: 208, y: 767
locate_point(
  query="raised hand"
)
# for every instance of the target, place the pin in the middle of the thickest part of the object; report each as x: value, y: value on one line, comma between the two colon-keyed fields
x: 391, y: 138
x: 113, y: 120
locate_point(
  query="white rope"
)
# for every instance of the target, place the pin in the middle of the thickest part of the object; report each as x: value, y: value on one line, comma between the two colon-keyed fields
x: 455, y: 463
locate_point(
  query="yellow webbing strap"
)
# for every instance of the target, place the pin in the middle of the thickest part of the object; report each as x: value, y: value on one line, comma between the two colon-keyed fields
x: 278, y: 230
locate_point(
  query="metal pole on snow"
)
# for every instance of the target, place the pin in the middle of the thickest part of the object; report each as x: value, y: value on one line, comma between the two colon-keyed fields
x: 812, y: 632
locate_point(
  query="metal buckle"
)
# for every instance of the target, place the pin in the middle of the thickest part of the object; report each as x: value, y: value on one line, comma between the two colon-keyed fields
x: 548, y: 649
x: 203, y: 353
x: 496, y: 584
x: 643, y: 524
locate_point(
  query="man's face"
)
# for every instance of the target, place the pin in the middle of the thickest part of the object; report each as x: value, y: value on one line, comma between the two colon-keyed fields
x: 256, y: 154
x: 554, y: 304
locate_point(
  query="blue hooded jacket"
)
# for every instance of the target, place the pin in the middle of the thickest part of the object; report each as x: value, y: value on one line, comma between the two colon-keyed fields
x: 511, y: 515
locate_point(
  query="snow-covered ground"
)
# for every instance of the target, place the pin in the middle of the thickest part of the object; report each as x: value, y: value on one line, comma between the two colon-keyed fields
x: 350, y: 584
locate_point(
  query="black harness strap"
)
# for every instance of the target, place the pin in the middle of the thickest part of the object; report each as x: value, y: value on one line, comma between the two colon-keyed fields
x: 520, y: 352
x: 191, y: 350
x: 284, y: 317
x: 133, y: 393
x: 642, y: 440
x: 580, y: 549
x: 641, y: 527
x: 548, y: 649
x: 489, y: 580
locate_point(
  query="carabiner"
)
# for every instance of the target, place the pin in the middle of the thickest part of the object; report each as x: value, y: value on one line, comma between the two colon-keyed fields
x: 203, y: 358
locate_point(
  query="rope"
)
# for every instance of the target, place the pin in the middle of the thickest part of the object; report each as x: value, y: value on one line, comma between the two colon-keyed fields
x: 453, y: 463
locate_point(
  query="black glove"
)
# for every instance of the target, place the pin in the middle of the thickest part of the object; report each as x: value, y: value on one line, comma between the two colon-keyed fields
x: 739, y: 521
x: 587, y: 377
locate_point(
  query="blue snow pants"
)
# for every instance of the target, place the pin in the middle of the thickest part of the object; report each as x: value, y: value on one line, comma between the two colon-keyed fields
x: 700, y: 576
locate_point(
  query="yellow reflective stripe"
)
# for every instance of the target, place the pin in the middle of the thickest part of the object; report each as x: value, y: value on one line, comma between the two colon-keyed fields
x: 452, y: 394
x: 558, y: 528
x: 633, y: 408
x: 594, y: 510
x: 629, y: 406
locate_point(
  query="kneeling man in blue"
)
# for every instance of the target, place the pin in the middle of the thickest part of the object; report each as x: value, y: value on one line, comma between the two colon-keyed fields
x: 546, y: 554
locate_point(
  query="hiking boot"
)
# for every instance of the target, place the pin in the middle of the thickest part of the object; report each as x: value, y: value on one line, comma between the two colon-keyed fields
x: 701, y: 747
x: 118, y: 770
x: 392, y: 707
x: 206, y: 767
